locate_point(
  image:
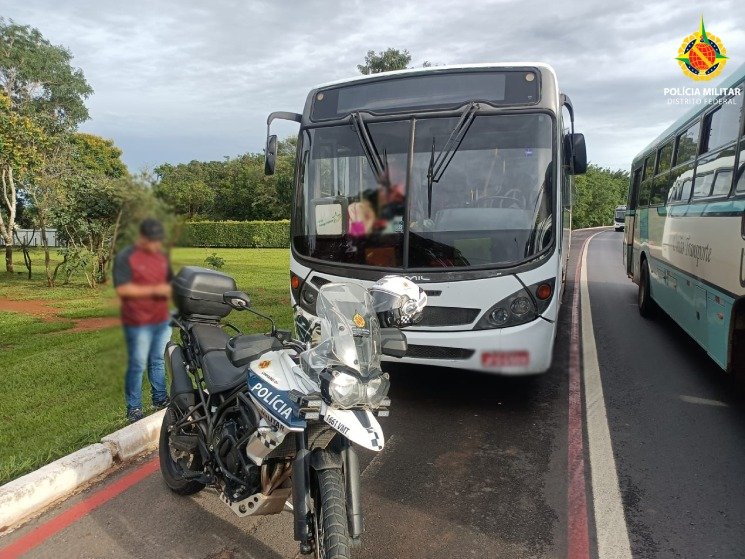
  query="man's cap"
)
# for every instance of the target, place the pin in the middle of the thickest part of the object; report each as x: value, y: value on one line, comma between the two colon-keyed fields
x: 152, y: 229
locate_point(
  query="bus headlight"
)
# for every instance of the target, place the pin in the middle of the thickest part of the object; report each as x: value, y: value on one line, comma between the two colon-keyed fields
x: 499, y: 316
x: 519, y: 308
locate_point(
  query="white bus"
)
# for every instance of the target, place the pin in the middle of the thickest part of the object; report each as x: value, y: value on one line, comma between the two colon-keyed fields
x: 456, y: 177
x: 685, y: 226
x: 619, y: 218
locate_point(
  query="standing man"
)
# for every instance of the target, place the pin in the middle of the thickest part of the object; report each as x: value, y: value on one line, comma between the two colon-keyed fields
x: 142, y: 276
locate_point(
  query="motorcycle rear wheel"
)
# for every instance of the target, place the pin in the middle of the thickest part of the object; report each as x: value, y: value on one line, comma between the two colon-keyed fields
x: 330, y: 511
x: 170, y: 468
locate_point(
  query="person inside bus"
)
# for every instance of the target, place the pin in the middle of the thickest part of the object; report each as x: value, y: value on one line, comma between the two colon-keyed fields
x: 380, y: 209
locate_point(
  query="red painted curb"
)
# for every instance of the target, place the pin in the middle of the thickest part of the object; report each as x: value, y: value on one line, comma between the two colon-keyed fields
x: 42, y: 533
x: 578, y: 544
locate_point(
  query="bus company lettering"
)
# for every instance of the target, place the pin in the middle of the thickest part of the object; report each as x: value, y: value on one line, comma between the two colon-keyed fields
x: 272, y: 400
x: 684, y: 246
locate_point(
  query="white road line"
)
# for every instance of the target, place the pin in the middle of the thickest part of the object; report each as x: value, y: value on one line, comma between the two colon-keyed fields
x: 610, y: 522
x: 703, y: 401
x: 374, y: 465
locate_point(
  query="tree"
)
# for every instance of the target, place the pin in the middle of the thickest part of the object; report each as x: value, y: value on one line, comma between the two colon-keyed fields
x: 183, y: 187
x: 598, y: 192
x: 39, y: 79
x: 385, y: 61
x: 21, y: 145
x: 42, y: 96
x: 97, y: 154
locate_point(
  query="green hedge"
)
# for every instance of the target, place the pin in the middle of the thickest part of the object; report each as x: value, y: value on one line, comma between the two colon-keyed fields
x: 236, y: 234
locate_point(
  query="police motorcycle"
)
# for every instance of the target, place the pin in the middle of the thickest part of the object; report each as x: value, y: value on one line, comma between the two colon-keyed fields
x: 271, y: 423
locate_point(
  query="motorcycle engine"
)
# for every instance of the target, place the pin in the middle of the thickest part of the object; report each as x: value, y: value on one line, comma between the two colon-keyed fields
x: 241, y: 477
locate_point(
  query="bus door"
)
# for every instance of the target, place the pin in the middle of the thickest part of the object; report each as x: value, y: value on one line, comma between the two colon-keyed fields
x: 628, y: 230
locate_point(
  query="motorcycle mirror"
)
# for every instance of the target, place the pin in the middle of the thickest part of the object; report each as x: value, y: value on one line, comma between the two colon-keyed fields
x: 237, y: 300
x: 393, y: 342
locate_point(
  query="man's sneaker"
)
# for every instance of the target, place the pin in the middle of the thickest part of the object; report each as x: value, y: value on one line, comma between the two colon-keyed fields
x: 162, y: 404
x: 134, y: 414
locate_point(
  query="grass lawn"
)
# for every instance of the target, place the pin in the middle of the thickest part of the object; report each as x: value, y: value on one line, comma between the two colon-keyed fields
x: 64, y: 390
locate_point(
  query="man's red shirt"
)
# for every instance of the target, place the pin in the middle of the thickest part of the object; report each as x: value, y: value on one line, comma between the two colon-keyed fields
x: 140, y: 267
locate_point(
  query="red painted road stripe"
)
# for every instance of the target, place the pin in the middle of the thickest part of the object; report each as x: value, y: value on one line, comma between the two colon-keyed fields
x: 578, y: 544
x: 76, y: 512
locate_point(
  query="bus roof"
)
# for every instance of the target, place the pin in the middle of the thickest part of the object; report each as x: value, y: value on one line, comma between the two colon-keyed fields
x: 430, y: 69
x: 696, y: 111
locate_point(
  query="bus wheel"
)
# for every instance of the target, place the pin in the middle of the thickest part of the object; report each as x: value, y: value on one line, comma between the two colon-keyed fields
x: 647, y: 306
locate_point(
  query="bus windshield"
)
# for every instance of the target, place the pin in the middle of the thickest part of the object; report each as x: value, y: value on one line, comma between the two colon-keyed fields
x: 491, y: 205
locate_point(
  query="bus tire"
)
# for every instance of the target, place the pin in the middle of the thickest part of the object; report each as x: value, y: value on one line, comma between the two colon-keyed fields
x: 647, y: 306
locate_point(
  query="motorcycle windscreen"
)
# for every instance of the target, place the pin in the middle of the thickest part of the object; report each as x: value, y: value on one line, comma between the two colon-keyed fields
x: 349, y: 329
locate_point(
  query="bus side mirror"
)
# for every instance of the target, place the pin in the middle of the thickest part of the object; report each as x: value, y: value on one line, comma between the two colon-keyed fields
x: 270, y: 154
x: 576, y: 153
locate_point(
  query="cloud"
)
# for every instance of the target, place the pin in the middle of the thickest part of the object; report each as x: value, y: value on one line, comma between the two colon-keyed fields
x: 181, y: 80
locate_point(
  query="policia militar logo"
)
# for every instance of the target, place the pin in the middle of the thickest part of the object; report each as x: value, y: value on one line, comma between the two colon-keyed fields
x: 702, y: 56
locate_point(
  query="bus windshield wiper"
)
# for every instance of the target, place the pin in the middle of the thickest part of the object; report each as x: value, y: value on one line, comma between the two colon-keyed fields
x: 437, y: 166
x: 371, y: 152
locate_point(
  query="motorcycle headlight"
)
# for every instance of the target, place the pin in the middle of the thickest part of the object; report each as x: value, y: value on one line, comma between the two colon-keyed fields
x: 376, y: 390
x: 345, y: 390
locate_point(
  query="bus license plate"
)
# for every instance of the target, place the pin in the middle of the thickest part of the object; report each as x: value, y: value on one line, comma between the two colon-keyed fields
x: 505, y: 359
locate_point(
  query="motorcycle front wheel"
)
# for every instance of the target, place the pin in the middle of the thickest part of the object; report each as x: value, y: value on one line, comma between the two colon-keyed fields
x: 172, y: 461
x: 330, y: 515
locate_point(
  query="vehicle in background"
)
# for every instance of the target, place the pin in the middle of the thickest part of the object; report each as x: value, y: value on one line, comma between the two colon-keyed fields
x: 619, y: 218
x: 457, y: 177
x: 684, y: 243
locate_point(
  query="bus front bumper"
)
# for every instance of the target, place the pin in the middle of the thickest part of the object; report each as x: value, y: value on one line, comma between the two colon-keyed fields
x: 519, y: 350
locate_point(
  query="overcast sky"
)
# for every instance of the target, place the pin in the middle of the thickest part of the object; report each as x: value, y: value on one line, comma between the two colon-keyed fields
x: 182, y: 80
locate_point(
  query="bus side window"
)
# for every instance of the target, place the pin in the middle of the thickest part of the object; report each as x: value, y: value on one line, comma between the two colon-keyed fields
x: 722, y: 124
x: 645, y: 192
x: 740, y: 189
x: 722, y: 182
x: 687, y: 144
x: 660, y: 187
x: 685, y: 190
x: 703, y: 185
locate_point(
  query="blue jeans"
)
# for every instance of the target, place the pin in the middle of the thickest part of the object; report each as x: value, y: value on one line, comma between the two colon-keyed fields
x: 145, y: 347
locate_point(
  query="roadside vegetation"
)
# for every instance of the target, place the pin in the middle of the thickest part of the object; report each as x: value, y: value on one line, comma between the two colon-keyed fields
x: 64, y: 387
x: 597, y: 193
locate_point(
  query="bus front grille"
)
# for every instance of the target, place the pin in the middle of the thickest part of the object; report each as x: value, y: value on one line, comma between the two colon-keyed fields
x: 438, y: 352
x: 447, y: 316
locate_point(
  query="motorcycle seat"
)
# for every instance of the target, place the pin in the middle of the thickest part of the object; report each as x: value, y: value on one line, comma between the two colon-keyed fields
x: 223, y: 359
x: 220, y: 374
x: 209, y: 337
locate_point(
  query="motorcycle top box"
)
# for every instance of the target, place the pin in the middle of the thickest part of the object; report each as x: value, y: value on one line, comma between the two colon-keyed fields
x: 198, y: 293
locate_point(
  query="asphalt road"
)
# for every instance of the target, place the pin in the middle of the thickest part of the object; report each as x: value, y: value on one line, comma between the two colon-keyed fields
x: 476, y: 465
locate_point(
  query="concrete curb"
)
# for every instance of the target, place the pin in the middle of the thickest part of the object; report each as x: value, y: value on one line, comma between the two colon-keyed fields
x: 30, y: 494
x: 136, y: 438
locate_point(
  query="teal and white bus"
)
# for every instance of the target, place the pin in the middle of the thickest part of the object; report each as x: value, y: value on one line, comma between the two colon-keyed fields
x: 460, y: 179
x: 684, y: 243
